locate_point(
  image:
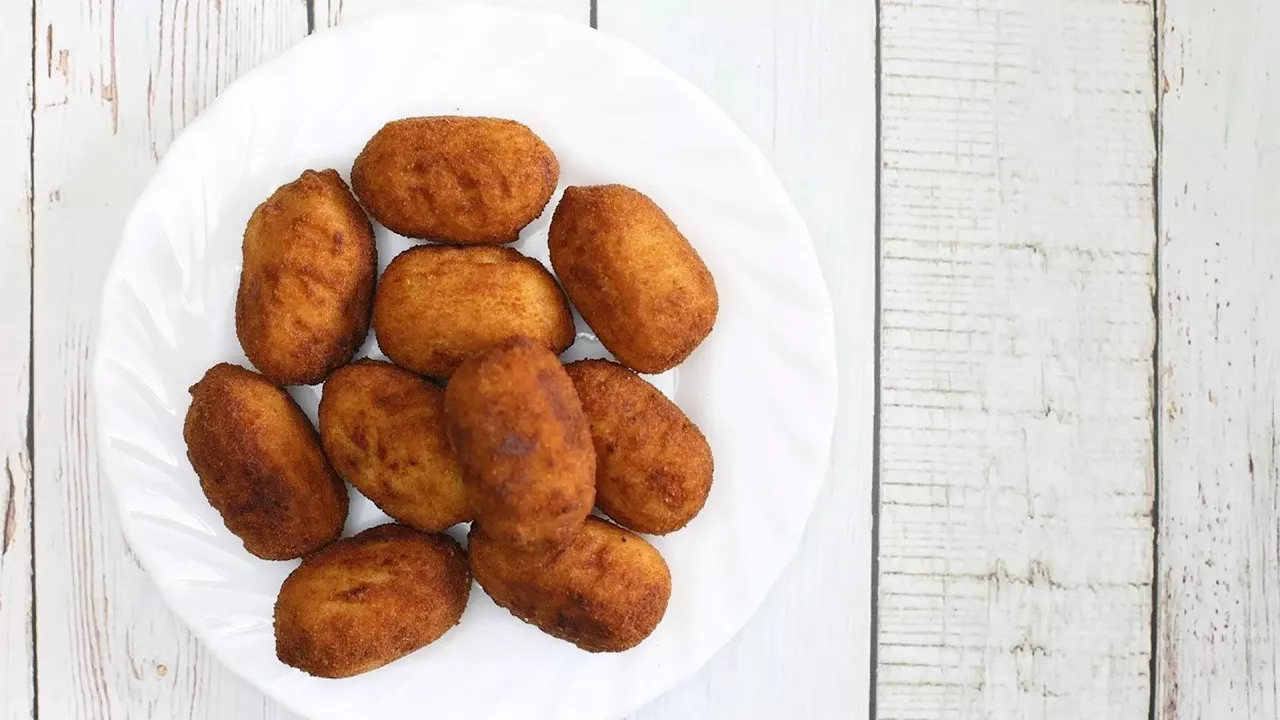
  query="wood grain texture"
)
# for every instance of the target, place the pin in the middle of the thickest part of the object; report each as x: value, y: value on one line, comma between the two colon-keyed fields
x: 115, y: 82
x: 17, y: 669
x: 1218, y: 640
x: 1016, y: 478
x: 799, y: 77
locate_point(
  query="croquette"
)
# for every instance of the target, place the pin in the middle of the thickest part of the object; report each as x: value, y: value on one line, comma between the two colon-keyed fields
x: 370, y: 599
x: 604, y: 592
x: 383, y: 429
x: 653, y: 465
x: 639, y: 284
x: 528, y: 464
x: 437, y: 306
x: 260, y: 465
x: 306, y: 287
x: 460, y: 180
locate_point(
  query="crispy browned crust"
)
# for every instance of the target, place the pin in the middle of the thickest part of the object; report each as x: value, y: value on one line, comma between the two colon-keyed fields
x: 383, y: 430
x: 437, y: 306
x: 605, y: 591
x: 370, y: 599
x: 525, y: 448
x: 653, y: 465
x: 636, y: 280
x: 260, y: 464
x: 464, y: 180
x: 306, y: 289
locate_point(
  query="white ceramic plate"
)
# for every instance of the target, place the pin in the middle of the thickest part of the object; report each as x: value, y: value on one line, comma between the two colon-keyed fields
x: 762, y: 387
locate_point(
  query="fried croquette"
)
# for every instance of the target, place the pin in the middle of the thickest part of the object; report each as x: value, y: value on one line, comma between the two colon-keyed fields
x: 525, y: 447
x: 461, y: 180
x: 260, y: 465
x: 436, y: 306
x: 653, y: 465
x: 605, y: 591
x: 637, y: 281
x: 370, y: 599
x: 383, y: 429
x: 306, y: 289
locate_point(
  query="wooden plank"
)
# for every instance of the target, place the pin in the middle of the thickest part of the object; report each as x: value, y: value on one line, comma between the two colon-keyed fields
x: 1218, y: 640
x: 335, y: 12
x: 1016, y: 445
x: 115, y: 83
x: 17, y: 668
x: 799, y: 77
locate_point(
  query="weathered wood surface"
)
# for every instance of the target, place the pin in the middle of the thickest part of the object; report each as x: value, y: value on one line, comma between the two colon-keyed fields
x: 17, y: 669
x: 1016, y: 444
x: 1218, y: 645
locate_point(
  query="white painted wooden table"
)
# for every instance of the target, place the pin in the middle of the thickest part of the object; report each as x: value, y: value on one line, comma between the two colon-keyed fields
x: 1050, y: 228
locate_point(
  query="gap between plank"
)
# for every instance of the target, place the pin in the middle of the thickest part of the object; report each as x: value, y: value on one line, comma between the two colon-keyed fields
x: 311, y: 16
x: 1156, y: 58
x: 875, y: 395
x: 594, y: 14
